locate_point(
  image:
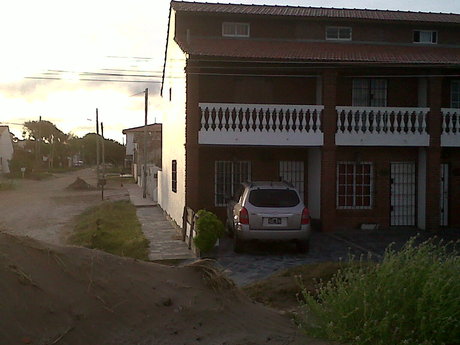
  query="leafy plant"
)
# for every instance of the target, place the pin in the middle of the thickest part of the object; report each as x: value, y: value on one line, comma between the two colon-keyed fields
x: 209, y: 228
x: 410, y: 298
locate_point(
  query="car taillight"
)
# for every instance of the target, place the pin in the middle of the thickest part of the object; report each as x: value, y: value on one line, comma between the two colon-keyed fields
x: 305, y: 217
x: 244, y: 216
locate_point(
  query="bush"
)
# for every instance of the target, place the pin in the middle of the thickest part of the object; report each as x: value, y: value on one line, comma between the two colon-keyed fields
x: 209, y: 228
x: 411, y: 298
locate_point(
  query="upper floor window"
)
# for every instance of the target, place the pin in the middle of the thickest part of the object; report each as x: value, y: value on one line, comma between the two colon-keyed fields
x: 425, y: 36
x: 369, y: 92
x: 338, y: 33
x: 455, y: 94
x: 235, y: 29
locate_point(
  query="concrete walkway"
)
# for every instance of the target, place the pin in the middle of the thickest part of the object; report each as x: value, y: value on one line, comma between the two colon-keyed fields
x: 165, y: 240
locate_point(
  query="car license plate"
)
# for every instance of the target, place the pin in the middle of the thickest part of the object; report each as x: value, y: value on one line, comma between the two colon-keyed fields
x: 274, y: 220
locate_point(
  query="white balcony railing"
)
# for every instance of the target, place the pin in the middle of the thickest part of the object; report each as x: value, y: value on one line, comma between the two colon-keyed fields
x: 382, y: 126
x: 450, y: 135
x: 260, y: 124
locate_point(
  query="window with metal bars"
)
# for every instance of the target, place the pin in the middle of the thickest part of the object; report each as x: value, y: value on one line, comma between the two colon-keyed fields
x: 293, y: 172
x: 369, y: 92
x: 174, y: 176
x: 228, y: 177
x: 354, y: 185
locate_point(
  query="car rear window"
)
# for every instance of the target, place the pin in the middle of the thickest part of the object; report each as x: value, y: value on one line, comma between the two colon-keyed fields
x: 273, y: 198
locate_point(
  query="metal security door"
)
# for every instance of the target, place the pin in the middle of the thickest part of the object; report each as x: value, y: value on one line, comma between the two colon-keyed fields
x: 293, y: 172
x: 403, y: 198
x: 444, y: 204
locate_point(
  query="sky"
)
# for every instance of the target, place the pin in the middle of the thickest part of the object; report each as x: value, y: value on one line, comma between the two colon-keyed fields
x: 62, y: 39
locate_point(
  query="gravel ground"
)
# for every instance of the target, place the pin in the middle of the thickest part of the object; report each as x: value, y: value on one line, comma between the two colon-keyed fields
x: 44, y: 209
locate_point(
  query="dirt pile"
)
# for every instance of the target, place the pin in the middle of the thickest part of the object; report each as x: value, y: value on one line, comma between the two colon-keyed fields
x: 71, y: 295
x: 80, y: 184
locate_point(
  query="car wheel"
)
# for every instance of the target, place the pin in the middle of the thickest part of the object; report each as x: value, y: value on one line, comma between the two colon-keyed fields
x: 230, y: 229
x: 303, y: 246
x: 237, y: 244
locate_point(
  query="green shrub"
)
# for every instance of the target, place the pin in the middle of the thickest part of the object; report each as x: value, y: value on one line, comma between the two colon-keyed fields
x: 411, y: 298
x: 209, y: 228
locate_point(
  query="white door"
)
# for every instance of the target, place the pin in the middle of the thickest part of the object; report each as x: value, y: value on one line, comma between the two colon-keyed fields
x: 293, y: 172
x: 403, y: 197
x: 444, y: 204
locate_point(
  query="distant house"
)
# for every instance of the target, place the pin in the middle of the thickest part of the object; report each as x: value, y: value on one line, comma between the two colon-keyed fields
x: 134, y: 160
x: 6, y: 149
x: 357, y: 108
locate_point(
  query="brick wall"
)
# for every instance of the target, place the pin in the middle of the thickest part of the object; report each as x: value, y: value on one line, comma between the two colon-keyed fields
x: 311, y: 28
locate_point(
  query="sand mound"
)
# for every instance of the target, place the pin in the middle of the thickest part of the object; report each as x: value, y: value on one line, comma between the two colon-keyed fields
x: 72, y: 295
x: 80, y: 184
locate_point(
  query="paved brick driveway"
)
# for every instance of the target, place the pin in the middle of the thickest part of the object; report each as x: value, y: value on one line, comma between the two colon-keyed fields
x: 262, y: 259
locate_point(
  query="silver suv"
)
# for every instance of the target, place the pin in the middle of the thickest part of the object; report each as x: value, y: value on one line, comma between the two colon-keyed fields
x: 268, y: 211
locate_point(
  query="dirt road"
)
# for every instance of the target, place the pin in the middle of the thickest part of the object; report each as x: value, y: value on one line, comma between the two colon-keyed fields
x: 44, y: 209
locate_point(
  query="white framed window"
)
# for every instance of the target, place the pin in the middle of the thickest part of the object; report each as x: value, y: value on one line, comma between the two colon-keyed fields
x: 235, y: 29
x: 369, y: 92
x: 341, y: 33
x: 425, y: 36
x: 455, y: 94
x: 355, y: 185
x: 228, y: 176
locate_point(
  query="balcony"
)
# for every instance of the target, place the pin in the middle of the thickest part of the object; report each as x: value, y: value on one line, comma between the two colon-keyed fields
x: 382, y: 126
x: 260, y: 124
x: 450, y: 134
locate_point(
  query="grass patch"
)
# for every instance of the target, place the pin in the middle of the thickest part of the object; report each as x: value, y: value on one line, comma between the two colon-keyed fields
x: 7, y: 185
x: 283, y: 289
x: 411, y: 297
x: 112, y: 227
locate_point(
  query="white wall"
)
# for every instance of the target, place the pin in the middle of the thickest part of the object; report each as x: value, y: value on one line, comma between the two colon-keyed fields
x: 173, y: 129
x: 129, y: 143
x: 314, y: 182
x: 6, y: 150
x: 421, y: 188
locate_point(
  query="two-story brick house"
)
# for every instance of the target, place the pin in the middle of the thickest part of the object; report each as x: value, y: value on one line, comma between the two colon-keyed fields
x: 357, y: 108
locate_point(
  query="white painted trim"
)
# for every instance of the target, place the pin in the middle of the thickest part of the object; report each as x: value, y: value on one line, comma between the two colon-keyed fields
x: 314, y: 182
x: 421, y: 189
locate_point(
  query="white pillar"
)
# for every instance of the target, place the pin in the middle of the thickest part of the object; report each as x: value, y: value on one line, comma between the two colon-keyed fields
x: 421, y: 188
x: 314, y: 182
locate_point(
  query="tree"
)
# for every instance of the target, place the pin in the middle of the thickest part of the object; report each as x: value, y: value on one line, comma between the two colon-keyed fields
x: 50, y: 141
x: 114, y: 151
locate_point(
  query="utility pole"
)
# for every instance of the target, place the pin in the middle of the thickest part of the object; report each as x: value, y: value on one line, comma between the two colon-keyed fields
x: 145, y: 142
x: 103, y: 161
x: 37, y: 150
x: 97, y: 145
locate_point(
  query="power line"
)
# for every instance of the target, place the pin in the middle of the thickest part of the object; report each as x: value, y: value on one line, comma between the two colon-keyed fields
x: 100, y: 80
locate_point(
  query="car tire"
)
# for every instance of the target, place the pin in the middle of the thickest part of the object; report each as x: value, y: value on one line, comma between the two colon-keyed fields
x: 230, y: 229
x: 237, y: 244
x: 303, y: 246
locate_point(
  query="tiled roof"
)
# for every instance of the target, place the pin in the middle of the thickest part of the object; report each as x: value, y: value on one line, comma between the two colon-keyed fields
x: 321, y: 51
x: 291, y: 11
